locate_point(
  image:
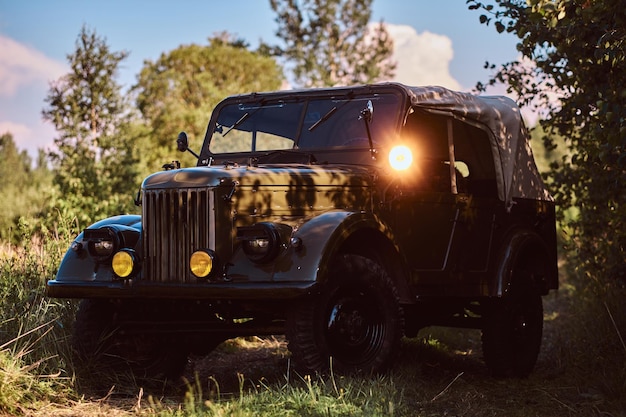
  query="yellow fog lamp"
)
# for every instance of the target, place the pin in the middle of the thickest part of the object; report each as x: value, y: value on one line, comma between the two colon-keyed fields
x: 201, y: 263
x: 124, y: 263
x: 400, y: 157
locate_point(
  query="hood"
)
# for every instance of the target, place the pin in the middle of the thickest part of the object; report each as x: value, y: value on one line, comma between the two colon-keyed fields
x: 267, y: 175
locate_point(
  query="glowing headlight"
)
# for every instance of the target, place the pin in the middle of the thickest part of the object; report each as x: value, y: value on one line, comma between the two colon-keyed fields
x: 201, y: 263
x: 124, y: 263
x: 400, y: 157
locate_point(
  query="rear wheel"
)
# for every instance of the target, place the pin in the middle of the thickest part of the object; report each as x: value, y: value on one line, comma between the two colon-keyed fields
x: 512, y: 334
x: 354, y: 325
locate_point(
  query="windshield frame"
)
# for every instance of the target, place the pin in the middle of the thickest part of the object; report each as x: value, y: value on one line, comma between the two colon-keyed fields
x: 338, y: 97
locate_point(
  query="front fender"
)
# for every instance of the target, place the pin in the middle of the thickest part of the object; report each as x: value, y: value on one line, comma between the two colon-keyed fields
x: 78, y: 265
x: 322, y: 238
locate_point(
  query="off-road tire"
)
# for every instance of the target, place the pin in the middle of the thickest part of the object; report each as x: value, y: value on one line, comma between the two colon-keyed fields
x: 100, y: 344
x: 354, y: 325
x: 512, y: 333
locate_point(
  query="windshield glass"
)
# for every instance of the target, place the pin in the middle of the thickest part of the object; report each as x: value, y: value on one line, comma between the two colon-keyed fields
x: 303, y: 124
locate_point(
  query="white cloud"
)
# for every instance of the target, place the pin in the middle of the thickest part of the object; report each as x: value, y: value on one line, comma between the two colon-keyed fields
x: 37, y: 135
x: 422, y: 58
x: 22, y: 66
x: 15, y: 129
x: 25, y: 74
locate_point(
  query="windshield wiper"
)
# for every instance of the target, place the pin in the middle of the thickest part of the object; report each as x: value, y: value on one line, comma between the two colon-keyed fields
x: 323, y: 118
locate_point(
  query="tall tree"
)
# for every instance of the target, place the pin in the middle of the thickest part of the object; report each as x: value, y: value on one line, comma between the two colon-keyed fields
x: 93, y: 161
x: 579, y: 78
x: 24, y: 188
x: 15, y: 173
x: 179, y: 90
x: 330, y: 42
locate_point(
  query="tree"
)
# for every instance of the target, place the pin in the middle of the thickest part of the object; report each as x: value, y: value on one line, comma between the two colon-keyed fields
x: 179, y: 90
x: 14, y: 171
x: 578, y: 48
x: 93, y: 162
x: 23, y: 187
x: 330, y: 43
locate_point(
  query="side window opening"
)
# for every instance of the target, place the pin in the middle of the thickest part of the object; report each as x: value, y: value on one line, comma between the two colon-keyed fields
x: 472, y: 147
x: 473, y: 160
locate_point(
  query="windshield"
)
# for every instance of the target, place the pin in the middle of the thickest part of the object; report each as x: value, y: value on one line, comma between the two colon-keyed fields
x: 303, y: 124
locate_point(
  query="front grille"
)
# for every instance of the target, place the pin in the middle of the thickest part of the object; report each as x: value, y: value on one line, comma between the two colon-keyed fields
x: 176, y: 222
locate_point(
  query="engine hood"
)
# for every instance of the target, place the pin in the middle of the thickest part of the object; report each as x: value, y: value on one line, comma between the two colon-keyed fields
x: 267, y: 175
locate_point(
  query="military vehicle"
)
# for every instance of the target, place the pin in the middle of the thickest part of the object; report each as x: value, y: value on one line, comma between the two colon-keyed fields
x: 344, y: 218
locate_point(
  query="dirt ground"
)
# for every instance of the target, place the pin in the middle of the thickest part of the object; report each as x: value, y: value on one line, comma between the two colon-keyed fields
x: 439, y: 360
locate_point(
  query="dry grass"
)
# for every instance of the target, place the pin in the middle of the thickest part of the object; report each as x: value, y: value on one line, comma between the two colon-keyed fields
x: 581, y: 370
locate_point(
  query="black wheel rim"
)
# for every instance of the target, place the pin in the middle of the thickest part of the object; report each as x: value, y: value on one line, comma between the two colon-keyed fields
x: 355, y: 329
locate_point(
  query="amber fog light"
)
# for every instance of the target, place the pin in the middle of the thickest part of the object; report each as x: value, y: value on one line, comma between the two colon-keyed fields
x: 124, y: 263
x: 201, y: 263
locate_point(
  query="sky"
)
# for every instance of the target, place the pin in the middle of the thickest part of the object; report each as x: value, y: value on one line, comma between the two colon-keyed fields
x: 436, y: 43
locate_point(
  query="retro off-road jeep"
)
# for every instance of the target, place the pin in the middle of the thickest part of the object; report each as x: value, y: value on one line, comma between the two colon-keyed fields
x: 343, y: 218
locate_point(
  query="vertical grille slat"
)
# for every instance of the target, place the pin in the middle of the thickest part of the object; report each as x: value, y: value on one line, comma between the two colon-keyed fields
x: 176, y: 223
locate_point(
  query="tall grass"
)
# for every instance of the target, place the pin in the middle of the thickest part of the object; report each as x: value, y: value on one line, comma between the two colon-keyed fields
x: 303, y: 396
x: 581, y: 370
x: 34, y: 356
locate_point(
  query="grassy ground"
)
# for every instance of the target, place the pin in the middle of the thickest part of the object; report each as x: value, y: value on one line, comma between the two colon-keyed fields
x: 581, y: 370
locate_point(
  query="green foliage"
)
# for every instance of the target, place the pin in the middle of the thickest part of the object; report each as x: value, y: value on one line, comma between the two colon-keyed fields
x: 94, y: 164
x: 329, y: 42
x: 304, y: 397
x: 21, y: 388
x: 24, y: 188
x: 34, y: 330
x: 578, y: 80
x: 179, y: 91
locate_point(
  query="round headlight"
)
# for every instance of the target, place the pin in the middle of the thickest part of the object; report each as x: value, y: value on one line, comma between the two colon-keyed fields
x: 201, y: 263
x: 102, y: 243
x: 260, y: 242
x: 400, y: 157
x: 123, y: 263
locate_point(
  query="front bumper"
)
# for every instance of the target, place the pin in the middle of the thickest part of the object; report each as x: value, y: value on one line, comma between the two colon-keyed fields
x: 207, y: 291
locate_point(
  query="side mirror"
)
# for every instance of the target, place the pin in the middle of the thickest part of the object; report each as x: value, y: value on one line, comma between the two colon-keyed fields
x: 182, y: 142
x: 367, y: 113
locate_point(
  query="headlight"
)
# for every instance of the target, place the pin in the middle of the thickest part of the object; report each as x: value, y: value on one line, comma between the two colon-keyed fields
x: 260, y: 242
x: 201, y: 263
x: 124, y: 263
x: 400, y: 157
x: 101, y: 243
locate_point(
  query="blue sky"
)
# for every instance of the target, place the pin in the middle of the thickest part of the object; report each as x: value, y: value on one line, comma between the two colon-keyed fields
x: 437, y: 42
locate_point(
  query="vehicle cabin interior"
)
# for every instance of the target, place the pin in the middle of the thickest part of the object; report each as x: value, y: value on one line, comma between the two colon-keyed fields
x: 473, y: 158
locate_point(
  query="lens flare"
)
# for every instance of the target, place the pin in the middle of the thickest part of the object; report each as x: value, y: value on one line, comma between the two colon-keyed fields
x: 400, y: 158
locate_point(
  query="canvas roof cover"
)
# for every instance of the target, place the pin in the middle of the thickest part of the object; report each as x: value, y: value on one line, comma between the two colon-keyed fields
x: 517, y: 174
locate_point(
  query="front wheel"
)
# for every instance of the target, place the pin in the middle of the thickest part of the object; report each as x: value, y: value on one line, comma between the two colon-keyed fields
x: 101, y: 344
x: 355, y: 325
